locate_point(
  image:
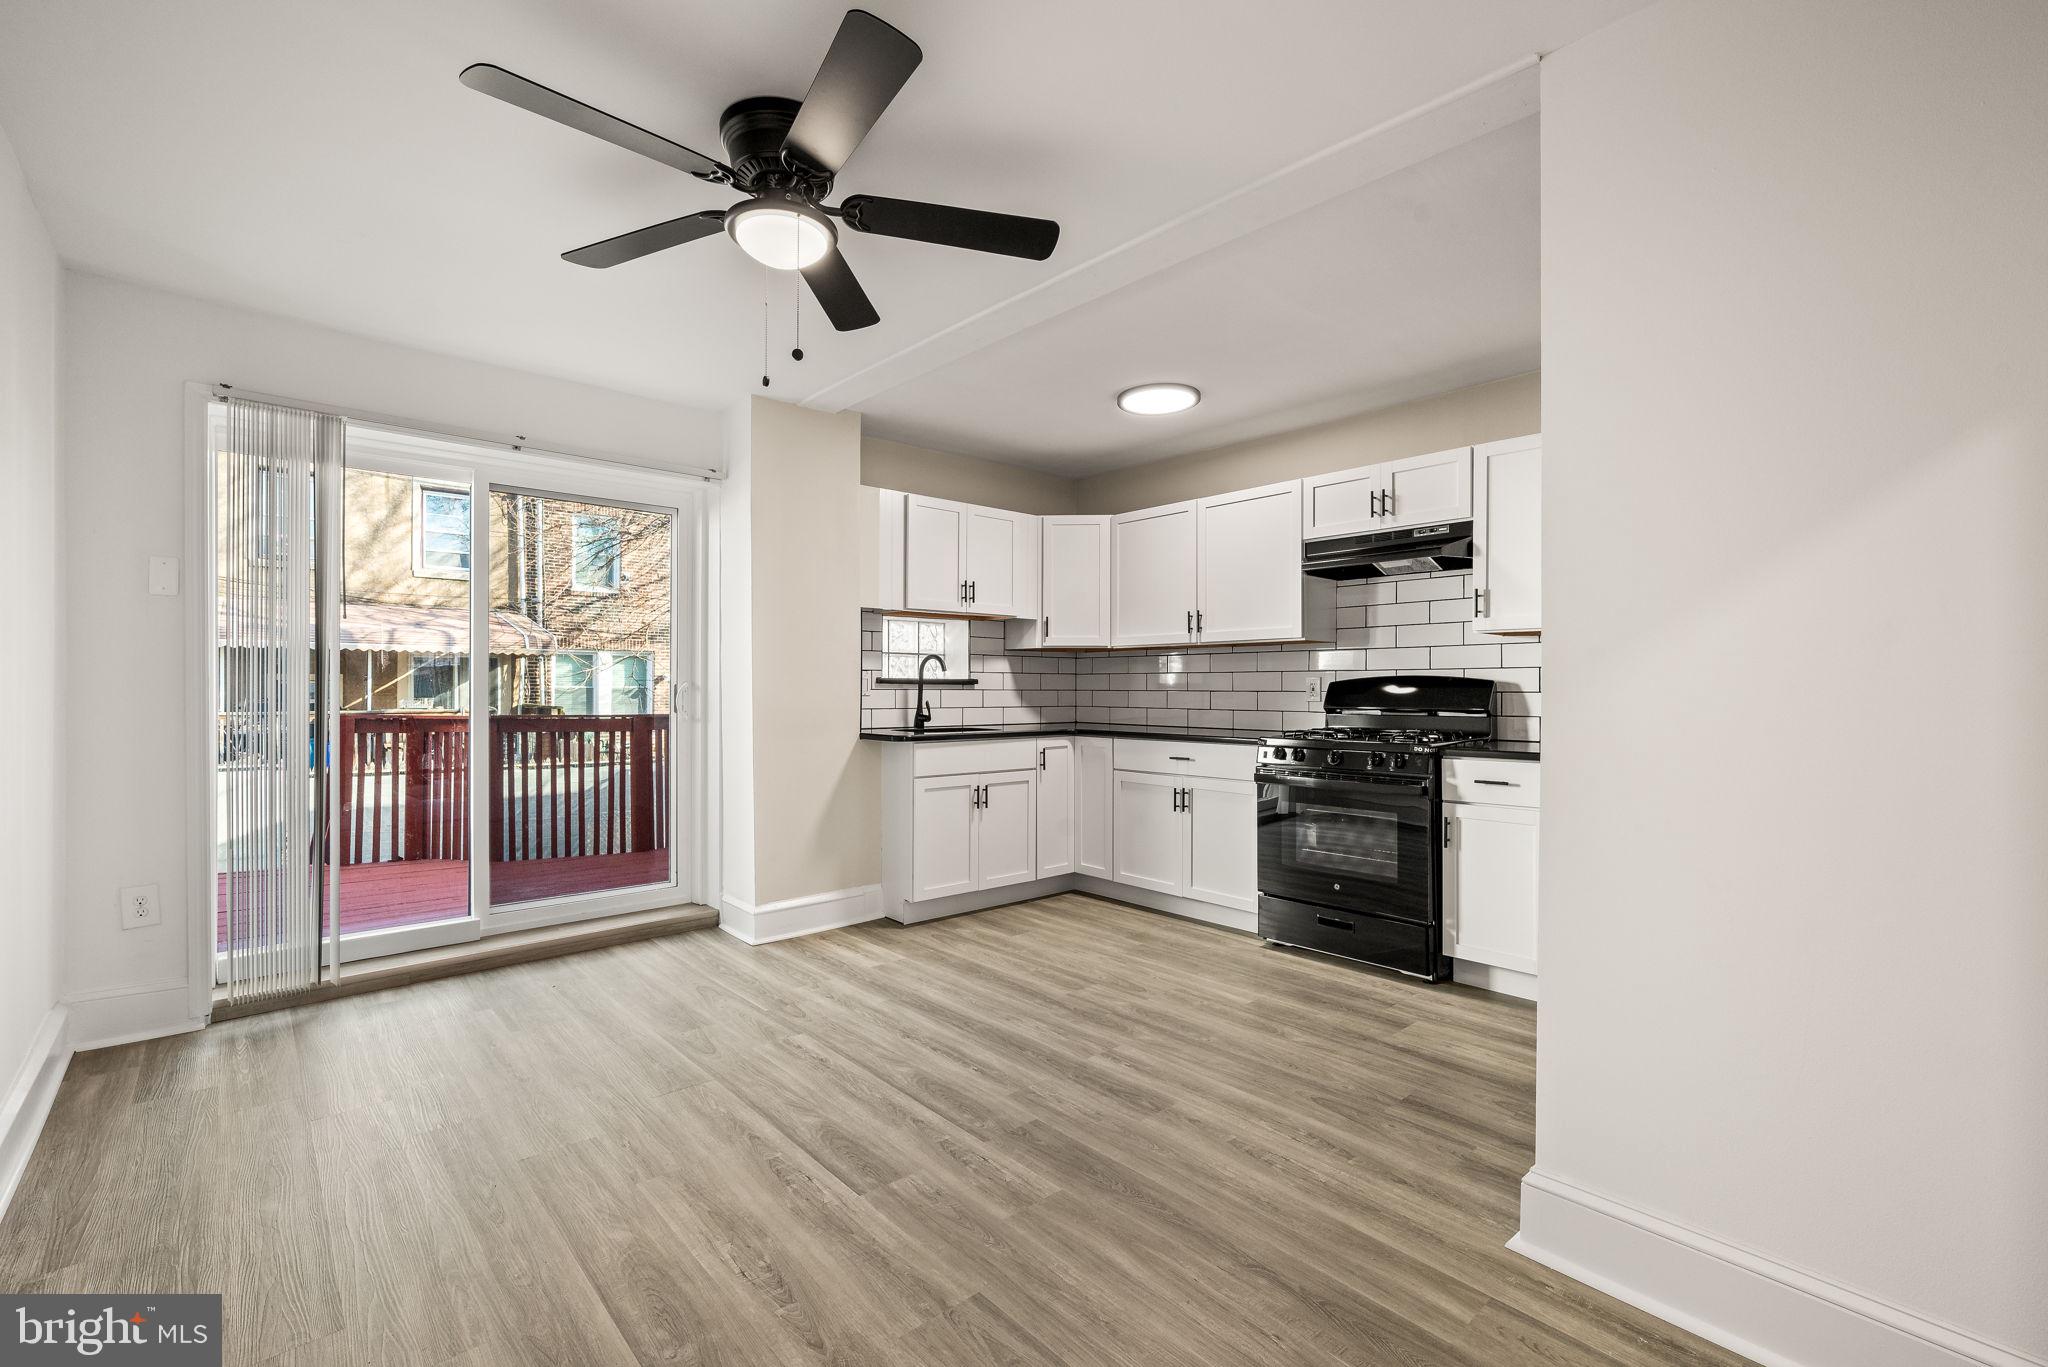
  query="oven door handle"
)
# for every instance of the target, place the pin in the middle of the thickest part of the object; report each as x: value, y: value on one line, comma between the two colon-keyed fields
x: 1347, y: 785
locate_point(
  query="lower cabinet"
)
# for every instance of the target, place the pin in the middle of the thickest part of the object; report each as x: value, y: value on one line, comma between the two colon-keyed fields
x: 1056, y: 810
x: 1187, y: 836
x: 1094, y: 827
x: 972, y: 831
x: 1490, y: 862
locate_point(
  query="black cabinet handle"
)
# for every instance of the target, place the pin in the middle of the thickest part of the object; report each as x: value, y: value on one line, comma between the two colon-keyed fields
x: 1191, y: 621
x: 1198, y: 621
x: 1335, y: 924
x: 1497, y: 782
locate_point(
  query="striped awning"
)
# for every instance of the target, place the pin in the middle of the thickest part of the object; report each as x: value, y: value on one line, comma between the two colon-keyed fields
x: 436, y: 631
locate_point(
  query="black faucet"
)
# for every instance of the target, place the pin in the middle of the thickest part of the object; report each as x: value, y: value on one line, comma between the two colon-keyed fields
x: 924, y: 709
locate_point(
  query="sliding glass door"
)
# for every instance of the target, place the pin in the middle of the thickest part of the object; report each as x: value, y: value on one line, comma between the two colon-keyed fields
x: 580, y: 735
x: 491, y: 651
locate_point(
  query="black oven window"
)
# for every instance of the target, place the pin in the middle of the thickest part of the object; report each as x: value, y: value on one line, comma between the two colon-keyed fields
x: 1346, y: 840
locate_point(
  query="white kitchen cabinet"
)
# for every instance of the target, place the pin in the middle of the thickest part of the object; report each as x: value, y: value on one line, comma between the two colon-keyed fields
x: 1070, y: 561
x: 1414, y: 492
x: 1186, y: 835
x: 942, y: 835
x: 1093, y: 788
x: 1151, y: 836
x: 1507, y: 536
x: 1006, y: 830
x: 1216, y: 571
x: 1251, y: 584
x: 1222, y: 817
x: 1155, y: 576
x: 881, y: 548
x: 965, y: 559
x: 1056, y: 807
x: 972, y: 831
x: 1490, y: 864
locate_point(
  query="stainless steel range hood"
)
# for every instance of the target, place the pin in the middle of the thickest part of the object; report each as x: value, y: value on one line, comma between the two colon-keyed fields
x: 1412, y: 550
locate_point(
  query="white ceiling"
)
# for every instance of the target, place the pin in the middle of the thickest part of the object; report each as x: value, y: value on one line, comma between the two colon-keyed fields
x: 322, y: 161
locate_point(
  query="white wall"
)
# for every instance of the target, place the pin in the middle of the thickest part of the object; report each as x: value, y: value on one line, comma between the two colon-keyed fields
x: 1795, y: 401
x: 128, y: 352
x: 30, y: 780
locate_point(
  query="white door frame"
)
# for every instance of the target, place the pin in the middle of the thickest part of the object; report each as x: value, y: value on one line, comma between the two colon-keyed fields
x: 694, y: 699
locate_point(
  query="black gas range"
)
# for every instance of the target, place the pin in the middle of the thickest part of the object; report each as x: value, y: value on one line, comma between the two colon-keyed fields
x: 1350, y: 820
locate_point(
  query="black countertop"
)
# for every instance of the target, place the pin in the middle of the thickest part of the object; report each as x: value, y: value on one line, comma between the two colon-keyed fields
x: 1222, y: 735
x: 1498, y: 749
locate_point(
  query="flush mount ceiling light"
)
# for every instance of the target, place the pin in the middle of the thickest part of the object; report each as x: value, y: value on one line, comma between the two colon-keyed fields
x: 1151, y: 399
x: 785, y: 234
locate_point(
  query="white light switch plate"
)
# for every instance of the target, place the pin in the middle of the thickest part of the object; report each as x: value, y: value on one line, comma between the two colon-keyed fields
x: 163, y: 576
x: 140, y: 907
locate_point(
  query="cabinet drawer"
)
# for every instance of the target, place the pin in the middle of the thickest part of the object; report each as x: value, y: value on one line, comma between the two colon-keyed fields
x: 1145, y: 756
x: 930, y: 758
x: 1502, y: 782
x: 1404, y: 946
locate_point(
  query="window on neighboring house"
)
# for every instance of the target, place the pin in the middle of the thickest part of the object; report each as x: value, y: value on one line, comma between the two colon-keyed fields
x: 906, y: 640
x: 594, y: 553
x: 602, y: 683
x: 440, y: 547
x: 433, y: 683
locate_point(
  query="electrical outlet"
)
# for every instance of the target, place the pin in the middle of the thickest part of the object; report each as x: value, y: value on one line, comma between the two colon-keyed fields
x: 1313, y: 689
x: 139, y: 907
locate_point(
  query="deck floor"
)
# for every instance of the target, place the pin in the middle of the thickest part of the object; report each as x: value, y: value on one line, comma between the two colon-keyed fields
x: 415, y: 892
x: 1060, y: 1134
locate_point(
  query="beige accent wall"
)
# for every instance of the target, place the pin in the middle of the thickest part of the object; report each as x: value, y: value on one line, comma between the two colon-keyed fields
x: 1463, y: 417
x: 817, y: 823
x: 970, y: 479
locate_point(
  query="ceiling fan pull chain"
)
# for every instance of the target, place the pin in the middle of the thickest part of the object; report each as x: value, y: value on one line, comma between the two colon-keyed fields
x: 766, y: 281
x: 796, y: 321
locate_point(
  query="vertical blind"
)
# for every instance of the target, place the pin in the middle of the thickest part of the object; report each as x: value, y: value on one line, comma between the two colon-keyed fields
x: 268, y: 766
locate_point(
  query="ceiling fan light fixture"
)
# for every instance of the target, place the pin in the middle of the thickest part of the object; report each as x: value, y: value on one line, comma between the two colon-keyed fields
x: 1152, y: 400
x: 782, y: 234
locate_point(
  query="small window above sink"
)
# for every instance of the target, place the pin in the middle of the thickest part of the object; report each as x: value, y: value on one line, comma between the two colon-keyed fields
x: 907, y: 640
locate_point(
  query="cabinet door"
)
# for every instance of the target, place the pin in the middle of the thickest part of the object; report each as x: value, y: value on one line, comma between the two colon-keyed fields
x: 1055, y: 807
x: 1154, y: 582
x: 1490, y: 884
x: 1223, y: 842
x: 1005, y: 829
x: 1093, y: 827
x: 1251, y: 566
x: 1342, y: 503
x: 1424, y: 489
x: 1150, y: 849
x: 934, y: 563
x: 1075, y: 579
x: 994, y: 549
x: 942, y: 816
x: 1507, y: 535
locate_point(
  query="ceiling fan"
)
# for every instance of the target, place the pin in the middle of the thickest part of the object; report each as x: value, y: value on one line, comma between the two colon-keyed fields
x: 783, y: 154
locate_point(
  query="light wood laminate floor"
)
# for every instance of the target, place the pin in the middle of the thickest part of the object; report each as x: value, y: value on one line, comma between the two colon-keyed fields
x: 1062, y: 1132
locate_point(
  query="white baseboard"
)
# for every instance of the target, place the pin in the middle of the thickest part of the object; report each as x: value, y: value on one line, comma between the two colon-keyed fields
x: 1509, y: 982
x: 758, y: 925
x: 124, y: 1015
x: 27, y: 1103
x: 1230, y: 918
x: 916, y: 913
x: 1765, y: 1310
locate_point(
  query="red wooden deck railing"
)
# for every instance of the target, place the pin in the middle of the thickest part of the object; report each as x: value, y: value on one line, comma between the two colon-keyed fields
x: 560, y: 787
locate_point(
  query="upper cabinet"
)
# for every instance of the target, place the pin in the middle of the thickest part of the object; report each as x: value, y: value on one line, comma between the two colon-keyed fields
x: 1507, y: 536
x: 955, y: 558
x: 1156, y: 563
x: 1073, y: 563
x: 881, y: 548
x: 1388, y: 496
x: 1217, y: 571
x: 1252, y: 587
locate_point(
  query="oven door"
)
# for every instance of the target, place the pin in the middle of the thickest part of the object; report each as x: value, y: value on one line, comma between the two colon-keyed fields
x: 1364, y: 845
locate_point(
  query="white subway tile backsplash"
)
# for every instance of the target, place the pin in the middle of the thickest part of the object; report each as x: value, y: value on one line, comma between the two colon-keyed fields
x: 1412, y: 624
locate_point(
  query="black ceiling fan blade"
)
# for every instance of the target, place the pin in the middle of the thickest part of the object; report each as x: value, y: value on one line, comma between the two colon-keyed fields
x: 646, y: 241
x: 536, y: 98
x: 974, y: 229
x: 866, y: 65
x: 839, y: 294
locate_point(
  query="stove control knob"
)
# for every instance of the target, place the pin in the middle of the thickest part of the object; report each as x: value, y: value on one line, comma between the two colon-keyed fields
x: 1300, y: 756
x: 1400, y: 761
x: 1375, y: 760
x: 1334, y: 758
